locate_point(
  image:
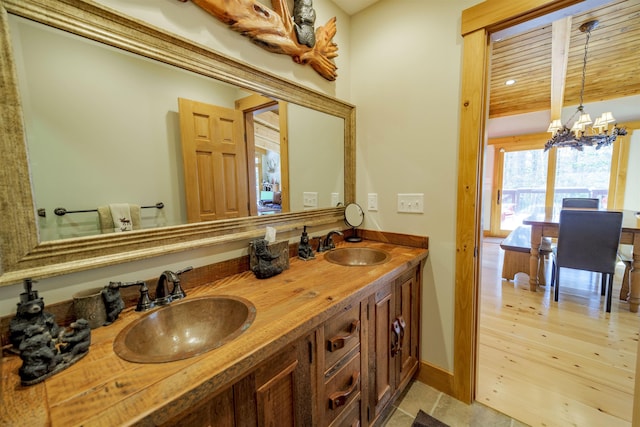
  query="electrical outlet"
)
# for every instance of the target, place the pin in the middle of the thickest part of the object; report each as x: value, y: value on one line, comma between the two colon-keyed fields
x: 310, y: 199
x: 335, y: 199
x: 372, y: 201
x: 411, y: 202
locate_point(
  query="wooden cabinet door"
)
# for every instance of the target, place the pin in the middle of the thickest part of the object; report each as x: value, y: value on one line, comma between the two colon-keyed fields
x: 381, y: 374
x: 284, y: 387
x: 393, y: 345
x: 408, y: 316
x: 216, y: 411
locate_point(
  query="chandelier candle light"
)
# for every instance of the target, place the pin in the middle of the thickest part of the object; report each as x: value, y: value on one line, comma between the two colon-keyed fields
x: 581, y: 133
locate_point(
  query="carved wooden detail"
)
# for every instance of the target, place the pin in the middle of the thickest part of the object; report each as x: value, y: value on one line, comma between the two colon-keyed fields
x: 275, y: 30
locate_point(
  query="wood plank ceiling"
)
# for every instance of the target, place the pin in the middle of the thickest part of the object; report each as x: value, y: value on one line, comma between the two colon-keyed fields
x: 613, y: 62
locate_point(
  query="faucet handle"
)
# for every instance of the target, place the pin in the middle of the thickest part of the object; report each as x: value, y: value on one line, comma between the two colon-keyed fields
x: 177, y: 292
x: 329, y: 243
x: 117, y: 285
x: 184, y: 270
x: 144, y: 302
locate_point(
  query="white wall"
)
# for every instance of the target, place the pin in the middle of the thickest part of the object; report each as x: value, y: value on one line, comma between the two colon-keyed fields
x: 319, y: 168
x: 406, y: 63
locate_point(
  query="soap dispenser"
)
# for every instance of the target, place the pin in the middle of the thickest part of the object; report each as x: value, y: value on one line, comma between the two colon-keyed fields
x: 305, y: 251
x: 30, y: 312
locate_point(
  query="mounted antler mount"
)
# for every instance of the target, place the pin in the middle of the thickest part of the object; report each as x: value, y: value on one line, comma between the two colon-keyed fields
x: 279, y: 32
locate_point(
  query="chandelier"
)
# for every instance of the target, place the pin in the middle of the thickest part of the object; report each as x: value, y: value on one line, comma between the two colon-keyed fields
x: 584, y: 131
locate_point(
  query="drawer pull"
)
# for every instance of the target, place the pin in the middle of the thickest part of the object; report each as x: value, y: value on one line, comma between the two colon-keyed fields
x: 338, y: 342
x: 339, y: 398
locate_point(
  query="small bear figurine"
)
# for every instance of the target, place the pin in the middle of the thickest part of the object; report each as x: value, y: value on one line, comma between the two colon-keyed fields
x: 39, y: 355
x: 112, y: 302
x: 76, y: 340
x: 265, y: 267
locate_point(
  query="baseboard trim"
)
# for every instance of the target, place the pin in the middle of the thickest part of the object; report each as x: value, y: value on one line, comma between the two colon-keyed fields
x: 436, y: 377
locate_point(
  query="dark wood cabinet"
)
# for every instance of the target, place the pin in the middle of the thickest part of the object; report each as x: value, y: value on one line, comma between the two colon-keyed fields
x: 345, y: 373
x: 279, y: 392
x: 339, y: 391
x: 393, y: 347
x: 381, y: 376
x: 215, y: 411
x: 407, y: 358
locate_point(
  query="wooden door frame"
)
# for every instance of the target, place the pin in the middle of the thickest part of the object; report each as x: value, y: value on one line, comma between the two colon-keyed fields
x: 476, y: 25
x: 249, y: 105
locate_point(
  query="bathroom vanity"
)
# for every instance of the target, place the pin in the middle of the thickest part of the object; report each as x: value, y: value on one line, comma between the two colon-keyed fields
x: 330, y: 345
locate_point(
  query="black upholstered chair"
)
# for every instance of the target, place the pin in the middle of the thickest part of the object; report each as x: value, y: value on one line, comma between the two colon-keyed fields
x: 588, y: 240
x: 580, y: 202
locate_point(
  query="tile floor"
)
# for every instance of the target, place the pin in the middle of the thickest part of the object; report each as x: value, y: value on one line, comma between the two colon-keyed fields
x: 445, y: 408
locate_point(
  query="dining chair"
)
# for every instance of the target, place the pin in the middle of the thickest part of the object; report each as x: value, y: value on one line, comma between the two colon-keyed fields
x: 623, y: 253
x: 580, y: 202
x: 588, y: 240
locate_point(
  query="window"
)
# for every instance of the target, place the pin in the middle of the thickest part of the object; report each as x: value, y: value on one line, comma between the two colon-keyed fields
x: 582, y: 174
x: 522, y: 177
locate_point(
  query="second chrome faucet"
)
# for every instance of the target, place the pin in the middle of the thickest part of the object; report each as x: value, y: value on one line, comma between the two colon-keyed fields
x: 327, y: 243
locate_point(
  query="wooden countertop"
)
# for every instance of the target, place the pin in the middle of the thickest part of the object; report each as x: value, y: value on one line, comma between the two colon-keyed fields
x: 102, y: 389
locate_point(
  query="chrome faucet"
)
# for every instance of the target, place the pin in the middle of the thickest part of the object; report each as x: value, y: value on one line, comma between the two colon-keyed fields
x: 327, y: 243
x: 163, y: 296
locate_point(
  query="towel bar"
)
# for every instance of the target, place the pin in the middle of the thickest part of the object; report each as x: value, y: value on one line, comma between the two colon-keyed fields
x: 63, y: 211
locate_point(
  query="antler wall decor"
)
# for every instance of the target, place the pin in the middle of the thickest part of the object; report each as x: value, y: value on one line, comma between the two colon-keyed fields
x: 277, y: 31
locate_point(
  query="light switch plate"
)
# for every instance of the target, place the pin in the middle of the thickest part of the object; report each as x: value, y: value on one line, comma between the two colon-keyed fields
x: 310, y: 199
x: 411, y: 202
x: 335, y: 199
x: 372, y: 201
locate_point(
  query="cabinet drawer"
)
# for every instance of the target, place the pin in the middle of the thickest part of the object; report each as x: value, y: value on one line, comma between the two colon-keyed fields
x: 342, y: 389
x: 341, y: 335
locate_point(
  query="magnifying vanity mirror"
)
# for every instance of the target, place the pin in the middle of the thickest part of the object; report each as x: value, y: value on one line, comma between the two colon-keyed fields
x: 353, y: 217
x: 54, y: 150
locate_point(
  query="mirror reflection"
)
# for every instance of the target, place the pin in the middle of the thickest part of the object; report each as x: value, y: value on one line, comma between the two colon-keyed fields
x: 103, y: 128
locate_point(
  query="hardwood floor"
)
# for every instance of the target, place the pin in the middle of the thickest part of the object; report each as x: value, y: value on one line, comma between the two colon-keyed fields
x: 555, y: 364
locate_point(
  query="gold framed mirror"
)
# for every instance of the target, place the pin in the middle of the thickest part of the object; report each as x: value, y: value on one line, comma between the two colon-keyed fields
x: 25, y: 255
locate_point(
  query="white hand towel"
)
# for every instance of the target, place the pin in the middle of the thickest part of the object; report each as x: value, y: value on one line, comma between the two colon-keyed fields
x: 121, y: 215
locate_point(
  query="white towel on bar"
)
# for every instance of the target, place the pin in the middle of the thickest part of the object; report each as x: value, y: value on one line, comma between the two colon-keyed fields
x: 105, y: 221
x: 121, y: 215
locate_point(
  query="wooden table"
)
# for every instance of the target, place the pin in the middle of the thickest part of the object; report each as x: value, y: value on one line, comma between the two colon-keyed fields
x: 547, y: 225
